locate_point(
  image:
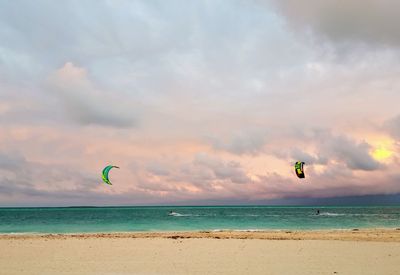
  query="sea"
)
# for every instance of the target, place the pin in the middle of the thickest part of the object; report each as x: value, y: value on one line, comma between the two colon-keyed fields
x: 194, y: 218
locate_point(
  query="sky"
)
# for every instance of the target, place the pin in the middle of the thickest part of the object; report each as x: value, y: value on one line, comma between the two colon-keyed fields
x: 198, y: 102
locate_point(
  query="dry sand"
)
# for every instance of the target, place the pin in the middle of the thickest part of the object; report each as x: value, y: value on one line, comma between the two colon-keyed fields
x: 273, y: 252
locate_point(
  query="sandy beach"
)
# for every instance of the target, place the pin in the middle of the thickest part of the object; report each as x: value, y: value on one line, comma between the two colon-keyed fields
x: 227, y: 252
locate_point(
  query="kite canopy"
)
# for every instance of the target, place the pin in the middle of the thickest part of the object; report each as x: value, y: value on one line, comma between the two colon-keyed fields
x: 299, y: 169
x: 106, y: 170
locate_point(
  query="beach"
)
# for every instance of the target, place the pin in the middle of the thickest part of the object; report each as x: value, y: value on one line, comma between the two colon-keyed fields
x: 356, y: 251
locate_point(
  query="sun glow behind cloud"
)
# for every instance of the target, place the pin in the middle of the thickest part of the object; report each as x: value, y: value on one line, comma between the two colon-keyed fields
x: 383, y: 149
x: 382, y: 153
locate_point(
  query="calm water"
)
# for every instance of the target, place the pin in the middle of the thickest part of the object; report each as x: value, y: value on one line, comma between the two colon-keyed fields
x: 123, y: 219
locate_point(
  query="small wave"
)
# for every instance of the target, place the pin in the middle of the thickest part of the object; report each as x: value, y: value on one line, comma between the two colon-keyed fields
x: 219, y: 230
x: 175, y: 214
x: 24, y: 233
x: 331, y: 214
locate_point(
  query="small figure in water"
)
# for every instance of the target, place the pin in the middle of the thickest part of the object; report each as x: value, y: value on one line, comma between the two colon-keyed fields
x: 317, y: 212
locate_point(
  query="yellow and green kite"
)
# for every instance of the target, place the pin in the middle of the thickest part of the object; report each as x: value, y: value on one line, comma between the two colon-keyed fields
x: 106, y: 170
x: 299, y: 169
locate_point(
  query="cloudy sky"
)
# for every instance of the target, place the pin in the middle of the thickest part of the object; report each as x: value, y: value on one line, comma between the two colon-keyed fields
x: 198, y: 101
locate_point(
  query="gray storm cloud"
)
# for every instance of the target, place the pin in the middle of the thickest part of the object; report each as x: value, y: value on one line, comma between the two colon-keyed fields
x: 373, y: 22
x: 300, y: 155
x: 231, y: 170
x: 28, y: 181
x: 327, y: 147
x: 246, y: 141
x: 11, y: 161
x: 355, y: 155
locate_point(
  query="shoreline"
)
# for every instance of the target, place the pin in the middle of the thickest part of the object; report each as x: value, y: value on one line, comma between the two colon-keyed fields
x: 355, y: 234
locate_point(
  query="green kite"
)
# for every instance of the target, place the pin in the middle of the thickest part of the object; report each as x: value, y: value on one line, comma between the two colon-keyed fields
x: 106, y: 170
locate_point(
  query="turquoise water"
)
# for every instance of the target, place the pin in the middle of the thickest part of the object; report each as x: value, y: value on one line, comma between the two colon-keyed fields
x: 124, y: 219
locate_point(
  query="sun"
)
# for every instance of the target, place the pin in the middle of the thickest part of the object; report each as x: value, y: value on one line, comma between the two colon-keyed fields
x: 381, y: 153
x: 382, y: 150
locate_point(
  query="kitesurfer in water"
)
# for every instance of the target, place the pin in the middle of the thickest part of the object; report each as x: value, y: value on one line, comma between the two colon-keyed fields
x: 317, y: 212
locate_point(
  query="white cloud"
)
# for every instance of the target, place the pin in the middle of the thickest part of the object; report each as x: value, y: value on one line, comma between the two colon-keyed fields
x: 85, y: 104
